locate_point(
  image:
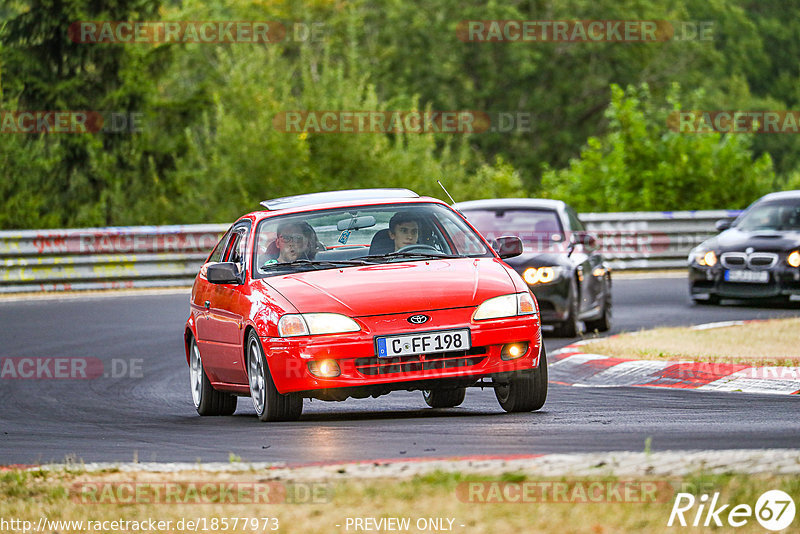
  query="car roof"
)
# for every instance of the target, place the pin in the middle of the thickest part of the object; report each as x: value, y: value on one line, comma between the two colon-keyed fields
x: 511, y: 203
x: 342, y: 199
x: 781, y: 195
x: 335, y: 197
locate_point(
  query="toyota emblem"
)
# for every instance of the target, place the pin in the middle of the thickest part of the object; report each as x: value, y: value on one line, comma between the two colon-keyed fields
x: 418, y: 319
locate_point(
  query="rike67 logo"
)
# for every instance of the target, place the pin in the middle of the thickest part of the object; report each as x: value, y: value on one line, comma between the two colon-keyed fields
x: 774, y: 511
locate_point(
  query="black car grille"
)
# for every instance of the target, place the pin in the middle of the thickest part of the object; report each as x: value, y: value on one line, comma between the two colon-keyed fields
x: 409, y: 364
x: 754, y: 260
x: 744, y: 290
x: 763, y: 260
x: 733, y: 259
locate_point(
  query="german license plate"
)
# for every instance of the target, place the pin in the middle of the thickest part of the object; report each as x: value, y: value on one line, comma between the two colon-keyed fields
x: 759, y: 277
x: 422, y: 343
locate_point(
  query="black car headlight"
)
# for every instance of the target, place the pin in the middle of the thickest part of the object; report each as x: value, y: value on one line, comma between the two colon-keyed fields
x: 705, y: 258
x: 541, y: 275
x: 794, y: 259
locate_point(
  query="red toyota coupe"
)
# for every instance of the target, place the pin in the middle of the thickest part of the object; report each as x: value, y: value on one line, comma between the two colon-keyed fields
x: 360, y: 293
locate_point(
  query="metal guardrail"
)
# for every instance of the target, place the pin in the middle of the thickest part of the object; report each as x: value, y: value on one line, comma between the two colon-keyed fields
x: 104, y: 258
x: 159, y: 256
x: 652, y: 240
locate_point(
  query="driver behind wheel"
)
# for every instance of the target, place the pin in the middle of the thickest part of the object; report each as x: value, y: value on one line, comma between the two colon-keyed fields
x: 403, y: 230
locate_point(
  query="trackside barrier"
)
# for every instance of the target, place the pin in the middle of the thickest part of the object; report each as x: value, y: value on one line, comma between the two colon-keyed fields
x: 654, y: 239
x: 104, y: 258
x: 159, y: 256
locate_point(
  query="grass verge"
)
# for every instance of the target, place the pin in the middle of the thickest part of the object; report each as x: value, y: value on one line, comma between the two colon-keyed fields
x: 62, y: 496
x: 762, y: 343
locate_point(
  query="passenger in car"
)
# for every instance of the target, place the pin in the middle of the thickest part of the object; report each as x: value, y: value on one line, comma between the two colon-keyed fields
x: 296, y: 240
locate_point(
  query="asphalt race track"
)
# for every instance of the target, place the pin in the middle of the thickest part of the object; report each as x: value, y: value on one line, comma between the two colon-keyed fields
x: 147, y: 413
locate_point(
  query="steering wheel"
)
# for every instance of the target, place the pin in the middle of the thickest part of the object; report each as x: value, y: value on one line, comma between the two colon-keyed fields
x: 418, y: 247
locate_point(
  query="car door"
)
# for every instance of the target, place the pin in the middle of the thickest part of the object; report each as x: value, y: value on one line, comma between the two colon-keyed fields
x: 201, y: 292
x: 587, y: 260
x: 223, y: 335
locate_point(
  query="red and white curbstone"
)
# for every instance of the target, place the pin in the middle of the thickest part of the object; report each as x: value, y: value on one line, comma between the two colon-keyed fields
x: 571, y: 366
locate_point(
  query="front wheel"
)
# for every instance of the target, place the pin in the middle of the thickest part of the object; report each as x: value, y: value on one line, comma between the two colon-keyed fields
x: 207, y: 400
x: 444, y: 398
x: 270, y: 405
x: 603, y: 324
x: 526, y: 391
x: 571, y: 326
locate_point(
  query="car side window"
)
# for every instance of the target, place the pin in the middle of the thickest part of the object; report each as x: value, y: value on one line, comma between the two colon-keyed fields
x: 574, y: 222
x: 236, y: 249
x: 216, y: 254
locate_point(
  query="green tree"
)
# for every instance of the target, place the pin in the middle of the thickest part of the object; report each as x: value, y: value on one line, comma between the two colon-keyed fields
x: 44, y: 70
x: 641, y: 164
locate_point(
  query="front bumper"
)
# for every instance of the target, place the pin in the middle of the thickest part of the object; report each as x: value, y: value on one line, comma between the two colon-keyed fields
x: 553, y: 300
x: 708, y: 282
x: 360, y: 367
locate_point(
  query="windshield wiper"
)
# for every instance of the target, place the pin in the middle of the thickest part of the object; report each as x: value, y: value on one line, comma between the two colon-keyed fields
x: 391, y: 255
x: 312, y: 263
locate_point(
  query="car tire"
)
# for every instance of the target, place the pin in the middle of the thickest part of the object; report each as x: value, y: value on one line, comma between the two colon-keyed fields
x: 444, y: 398
x: 207, y: 400
x: 603, y: 324
x: 270, y: 405
x: 571, y: 327
x: 527, y: 391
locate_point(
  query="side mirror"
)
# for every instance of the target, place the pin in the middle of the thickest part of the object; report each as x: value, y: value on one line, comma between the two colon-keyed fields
x: 507, y: 246
x: 584, y: 238
x: 723, y: 224
x: 223, y: 273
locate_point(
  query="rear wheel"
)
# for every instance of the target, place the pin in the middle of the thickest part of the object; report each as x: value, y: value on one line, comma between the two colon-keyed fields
x: 526, y: 391
x: 444, y: 398
x: 207, y: 400
x: 270, y: 405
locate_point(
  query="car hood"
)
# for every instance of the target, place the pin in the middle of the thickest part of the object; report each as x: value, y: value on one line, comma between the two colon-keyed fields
x: 395, y: 287
x: 735, y: 240
x: 539, y: 259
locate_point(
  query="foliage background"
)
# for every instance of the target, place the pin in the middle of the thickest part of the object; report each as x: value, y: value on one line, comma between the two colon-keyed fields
x: 208, y: 151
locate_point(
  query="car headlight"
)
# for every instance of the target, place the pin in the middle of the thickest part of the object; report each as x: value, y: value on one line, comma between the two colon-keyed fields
x: 305, y: 324
x: 706, y: 258
x: 541, y: 275
x: 794, y: 259
x: 505, y: 306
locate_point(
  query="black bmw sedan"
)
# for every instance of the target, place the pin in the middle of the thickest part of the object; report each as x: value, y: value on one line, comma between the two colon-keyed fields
x: 757, y: 256
x: 560, y: 262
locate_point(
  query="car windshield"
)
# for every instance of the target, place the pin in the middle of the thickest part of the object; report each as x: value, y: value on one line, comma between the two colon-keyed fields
x: 362, y: 235
x: 776, y: 215
x: 539, y: 229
